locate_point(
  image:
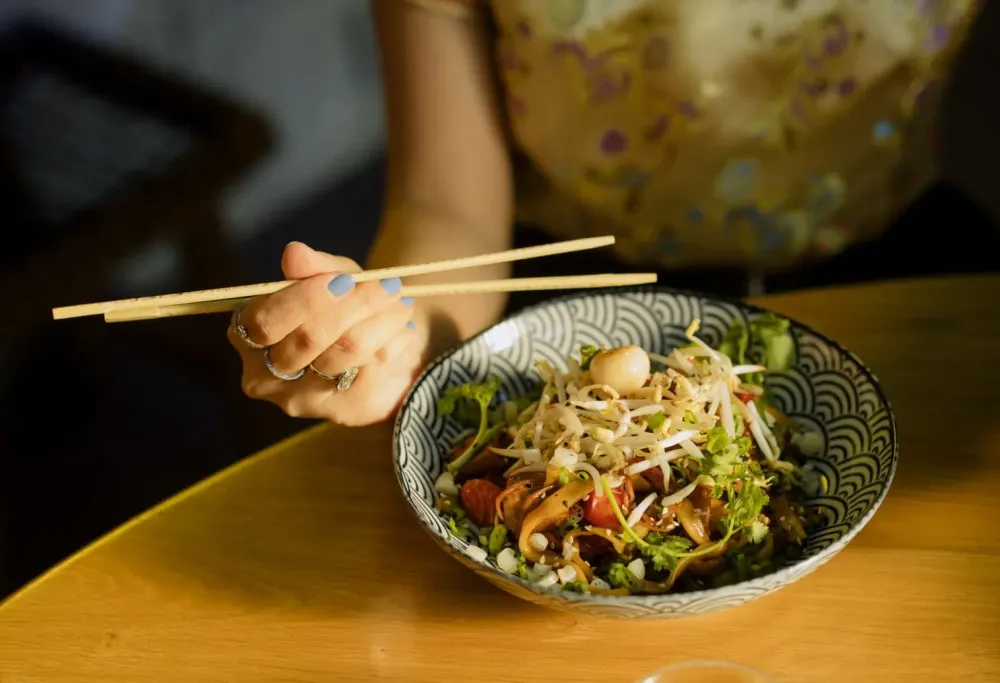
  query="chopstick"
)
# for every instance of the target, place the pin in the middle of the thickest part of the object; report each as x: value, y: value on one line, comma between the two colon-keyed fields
x: 527, y: 284
x: 247, y: 291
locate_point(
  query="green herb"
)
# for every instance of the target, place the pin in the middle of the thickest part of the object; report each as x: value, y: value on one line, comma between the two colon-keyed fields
x: 689, y: 417
x: 522, y: 567
x: 717, y: 440
x: 725, y: 463
x: 576, y: 587
x: 670, y: 549
x: 567, y: 526
x: 742, y: 567
x: 620, y: 576
x: 667, y: 553
x: 735, y: 344
x: 451, y: 506
x: 459, y: 531
x: 498, y: 538
x: 745, y: 505
x: 779, y: 347
x: 655, y: 420
x: 736, y: 477
x: 482, y: 395
x: 587, y: 353
x: 757, y: 531
x: 563, y: 476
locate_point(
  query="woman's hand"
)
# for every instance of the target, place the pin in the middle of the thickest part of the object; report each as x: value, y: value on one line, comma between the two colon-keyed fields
x: 328, y: 321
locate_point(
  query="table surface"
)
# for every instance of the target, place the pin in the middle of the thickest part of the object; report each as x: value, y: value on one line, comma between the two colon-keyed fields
x: 302, y: 563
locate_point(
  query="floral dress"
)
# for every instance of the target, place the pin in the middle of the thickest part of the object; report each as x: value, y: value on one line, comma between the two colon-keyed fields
x: 721, y: 132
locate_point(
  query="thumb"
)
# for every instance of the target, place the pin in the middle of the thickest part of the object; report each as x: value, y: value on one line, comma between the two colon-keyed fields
x: 300, y: 261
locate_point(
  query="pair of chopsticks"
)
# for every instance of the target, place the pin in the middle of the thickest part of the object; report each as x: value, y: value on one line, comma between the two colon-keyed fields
x: 228, y: 299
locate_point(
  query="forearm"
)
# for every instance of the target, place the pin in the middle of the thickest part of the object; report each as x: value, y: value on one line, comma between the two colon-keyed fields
x: 449, y: 182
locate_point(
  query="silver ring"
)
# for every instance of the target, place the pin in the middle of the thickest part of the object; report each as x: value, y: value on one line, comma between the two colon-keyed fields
x: 241, y: 331
x: 277, y: 373
x: 344, y: 380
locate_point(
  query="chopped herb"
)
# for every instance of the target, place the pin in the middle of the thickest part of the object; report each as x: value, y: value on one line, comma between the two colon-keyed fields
x: 576, y: 587
x: 498, y: 538
x: 563, y: 476
x: 522, y: 567
x: 757, y: 531
x: 620, y: 576
x: 587, y: 353
x: 735, y: 344
x: 725, y: 463
x: 459, y: 531
x: 655, y: 420
x: 668, y: 552
x: 779, y: 347
x: 745, y: 505
x: 742, y: 567
x: 482, y: 395
x: 567, y: 526
x: 689, y: 417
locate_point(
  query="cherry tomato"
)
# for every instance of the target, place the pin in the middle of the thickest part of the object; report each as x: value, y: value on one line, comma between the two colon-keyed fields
x: 479, y: 497
x: 598, y: 511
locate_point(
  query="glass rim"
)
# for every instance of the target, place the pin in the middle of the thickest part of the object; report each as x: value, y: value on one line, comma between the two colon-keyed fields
x: 706, y: 664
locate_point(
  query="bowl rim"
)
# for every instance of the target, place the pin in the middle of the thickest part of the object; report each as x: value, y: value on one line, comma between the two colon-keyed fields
x: 768, y: 582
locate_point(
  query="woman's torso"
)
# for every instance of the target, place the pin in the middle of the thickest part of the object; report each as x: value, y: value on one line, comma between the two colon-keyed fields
x: 730, y: 132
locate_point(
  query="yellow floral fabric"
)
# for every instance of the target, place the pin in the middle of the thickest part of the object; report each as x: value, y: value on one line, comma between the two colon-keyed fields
x: 724, y: 132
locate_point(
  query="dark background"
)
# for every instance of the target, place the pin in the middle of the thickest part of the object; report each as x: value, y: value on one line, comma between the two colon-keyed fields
x: 181, y: 145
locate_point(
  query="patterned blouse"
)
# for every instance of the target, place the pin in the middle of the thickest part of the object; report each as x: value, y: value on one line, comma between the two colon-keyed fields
x: 721, y: 132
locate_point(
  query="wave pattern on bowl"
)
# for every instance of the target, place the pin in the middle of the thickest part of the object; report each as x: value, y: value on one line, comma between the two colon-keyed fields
x: 828, y: 390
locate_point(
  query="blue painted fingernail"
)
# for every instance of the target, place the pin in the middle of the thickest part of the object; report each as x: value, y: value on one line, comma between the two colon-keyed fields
x: 412, y: 325
x: 406, y: 301
x: 391, y: 285
x: 342, y: 284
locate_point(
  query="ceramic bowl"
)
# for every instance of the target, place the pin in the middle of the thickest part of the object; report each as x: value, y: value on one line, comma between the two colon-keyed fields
x: 829, y: 390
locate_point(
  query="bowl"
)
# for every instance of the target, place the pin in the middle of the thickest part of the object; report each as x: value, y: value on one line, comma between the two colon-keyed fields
x: 828, y: 389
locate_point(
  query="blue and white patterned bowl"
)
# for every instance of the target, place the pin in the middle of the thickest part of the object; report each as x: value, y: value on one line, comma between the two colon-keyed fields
x: 828, y: 389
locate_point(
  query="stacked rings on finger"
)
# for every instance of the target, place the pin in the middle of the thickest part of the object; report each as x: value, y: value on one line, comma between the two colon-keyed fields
x: 241, y: 331
x: 344, y: 380
x: 278, y: 373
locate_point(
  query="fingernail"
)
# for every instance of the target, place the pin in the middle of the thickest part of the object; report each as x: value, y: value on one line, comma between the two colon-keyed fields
x: 293, y: 242
x: 406, y: 301
x: 342, y: 284
x: 412, y: 325
x: 391, y: 285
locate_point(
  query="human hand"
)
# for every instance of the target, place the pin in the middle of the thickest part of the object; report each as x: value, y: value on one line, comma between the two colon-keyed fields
x: 326, y: 323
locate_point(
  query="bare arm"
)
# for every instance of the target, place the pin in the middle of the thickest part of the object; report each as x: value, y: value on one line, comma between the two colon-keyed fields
x: 449, y: 185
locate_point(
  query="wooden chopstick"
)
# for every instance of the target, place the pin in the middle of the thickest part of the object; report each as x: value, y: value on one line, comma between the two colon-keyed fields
x: 247, y: 291
x: 526, y: 284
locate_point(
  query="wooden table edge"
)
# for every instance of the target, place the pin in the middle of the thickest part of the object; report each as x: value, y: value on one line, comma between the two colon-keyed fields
x: 165, y: 504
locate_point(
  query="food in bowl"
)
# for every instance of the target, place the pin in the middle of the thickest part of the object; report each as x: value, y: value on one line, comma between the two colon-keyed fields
x: 635, y: 473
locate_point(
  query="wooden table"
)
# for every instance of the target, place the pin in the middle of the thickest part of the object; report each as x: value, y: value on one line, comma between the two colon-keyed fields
x: 302, y: 563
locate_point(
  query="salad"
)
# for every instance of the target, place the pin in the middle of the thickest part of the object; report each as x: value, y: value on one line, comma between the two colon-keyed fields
x: 635, y: 473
